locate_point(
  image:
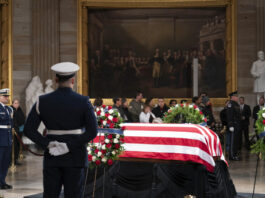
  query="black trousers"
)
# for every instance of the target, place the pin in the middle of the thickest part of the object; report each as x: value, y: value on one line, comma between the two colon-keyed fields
x: 244, y: 130
x: 71, y: 178
x: 235, y: 139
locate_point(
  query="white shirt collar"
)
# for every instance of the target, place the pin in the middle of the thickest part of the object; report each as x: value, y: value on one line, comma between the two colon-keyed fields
x: 2, y: 104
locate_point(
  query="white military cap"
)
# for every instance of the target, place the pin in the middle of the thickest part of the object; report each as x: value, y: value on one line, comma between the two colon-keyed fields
x: 65, y: 69
x: 5, y: 92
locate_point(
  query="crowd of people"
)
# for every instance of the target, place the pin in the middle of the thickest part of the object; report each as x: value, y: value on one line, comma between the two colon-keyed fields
x: 234, y: 118
x: 124, y: 69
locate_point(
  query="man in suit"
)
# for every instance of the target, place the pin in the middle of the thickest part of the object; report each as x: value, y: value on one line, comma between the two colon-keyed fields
x: 233, y: 125
x: 256, y: 110
x: 70, y: 122
x: 6, y: 114
x: 244, y: 124
x: 160, y: 109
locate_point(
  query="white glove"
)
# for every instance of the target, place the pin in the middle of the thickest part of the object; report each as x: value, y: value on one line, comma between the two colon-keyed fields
x: 60, y: 149
x: 52, y: 144
x: 231, y: 129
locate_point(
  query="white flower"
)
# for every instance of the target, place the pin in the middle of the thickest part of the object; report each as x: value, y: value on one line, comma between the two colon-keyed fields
x: 117, y: 135
x: 110, y: 117
x: 116, y: 141
x: 190, y: 106
x: 104, y: 122
x: 89, y: 151
x: 111, y: 111
x: 107, y: 141
x: 263, y: 108
x: 102, y: 113
x: 99, y: 154
x: 263, y: 115
x: 104, y: 159
x: 101, y: 109
x: 97, y: 109
x: 177, y: 105
x: 119, y: 114
x: 94, y: 158
x: 113, y: 153
x: 197, y: 109
x: 104, y: 147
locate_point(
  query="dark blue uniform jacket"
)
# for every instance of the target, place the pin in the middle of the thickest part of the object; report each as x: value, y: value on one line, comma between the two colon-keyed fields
x: 63, y: 109
x: 5, y: 120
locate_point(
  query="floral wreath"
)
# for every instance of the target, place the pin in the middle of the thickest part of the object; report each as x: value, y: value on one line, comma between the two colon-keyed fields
x: 109, y: 146
x: 185, y: 113
x: 259, y: 146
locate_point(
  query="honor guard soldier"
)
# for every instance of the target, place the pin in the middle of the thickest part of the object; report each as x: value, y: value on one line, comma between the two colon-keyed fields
x: 6, y: 114
x: 71, y: 123
x: 233, y: 125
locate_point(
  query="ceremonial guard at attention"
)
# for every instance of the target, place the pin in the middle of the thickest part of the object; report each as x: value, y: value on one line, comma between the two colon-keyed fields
x: 70, y: 122
x: 6, y: 114
x: 233, y: 124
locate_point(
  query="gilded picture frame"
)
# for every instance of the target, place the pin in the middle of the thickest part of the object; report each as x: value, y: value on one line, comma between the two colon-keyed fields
x: 231, y: 35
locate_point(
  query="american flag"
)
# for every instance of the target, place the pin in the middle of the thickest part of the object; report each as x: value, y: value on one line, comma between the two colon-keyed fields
x: 180, y: 142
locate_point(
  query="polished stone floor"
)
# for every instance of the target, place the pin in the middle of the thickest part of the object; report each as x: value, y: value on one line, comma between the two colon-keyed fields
x: 27, y: 179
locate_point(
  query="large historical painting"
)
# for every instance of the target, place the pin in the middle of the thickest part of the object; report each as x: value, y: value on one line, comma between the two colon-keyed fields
x: 153, y: 50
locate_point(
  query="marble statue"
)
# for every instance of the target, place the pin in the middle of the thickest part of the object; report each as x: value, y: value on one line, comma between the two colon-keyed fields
x: 48, y: 88
x: 33, y: 91
x: 258, y: 72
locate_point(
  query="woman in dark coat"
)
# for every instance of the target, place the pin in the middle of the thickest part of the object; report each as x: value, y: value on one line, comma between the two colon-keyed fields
x: 18, y: 120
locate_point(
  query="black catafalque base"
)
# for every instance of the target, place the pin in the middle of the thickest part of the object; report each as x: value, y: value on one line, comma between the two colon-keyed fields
x: 153, y: 180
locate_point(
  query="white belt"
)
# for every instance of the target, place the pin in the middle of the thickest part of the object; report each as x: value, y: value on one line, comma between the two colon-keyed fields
x: 64, y: 132
x: 5, y: 127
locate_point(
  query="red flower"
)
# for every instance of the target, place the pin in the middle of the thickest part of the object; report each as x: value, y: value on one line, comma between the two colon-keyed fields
x: 111, y: 125
x: 97, y: 162
x: 201, y: 113
x: 96, y: 151
x: 103, y: 152
x: 110, y: 136
x: 169, y: 111
x: 106, y: 114
x: 117, y: 146
x: 181, y: 105
x: 205, y: 119
x: 109, y: 107
x: 108, y: 121
x: 110, y: 162
x: 98, y: 113
x: 194, y: 106
x: 108, y: 146
x: 103, y: 106
x: 115, y: 119
x: 89, y: 157
x: 121, y: 139
x: 263, y: 121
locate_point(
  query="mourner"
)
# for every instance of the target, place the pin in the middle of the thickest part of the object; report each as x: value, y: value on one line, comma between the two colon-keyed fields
x: 70, y: 122
x: 6, y: 114
x: 244, y: 124
x: 256, y: 110
x: 233, y: 125
x: 18, y: 122
x: 160, y: 109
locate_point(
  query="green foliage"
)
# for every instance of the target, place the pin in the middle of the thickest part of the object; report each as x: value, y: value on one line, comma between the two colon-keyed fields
x: 259, y: 147
x: 184, y: 113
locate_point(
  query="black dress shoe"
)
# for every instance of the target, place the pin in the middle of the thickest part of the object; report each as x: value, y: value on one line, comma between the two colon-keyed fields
x: 6, y: 186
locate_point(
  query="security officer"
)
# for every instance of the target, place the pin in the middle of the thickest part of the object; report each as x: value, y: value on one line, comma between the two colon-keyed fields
x: 233, y: 124
x: 70, y: 122
x: 6, y: 115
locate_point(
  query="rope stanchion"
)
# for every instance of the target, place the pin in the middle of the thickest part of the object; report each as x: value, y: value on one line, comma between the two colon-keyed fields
x: 95, y: 181
x: 26, y: 147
